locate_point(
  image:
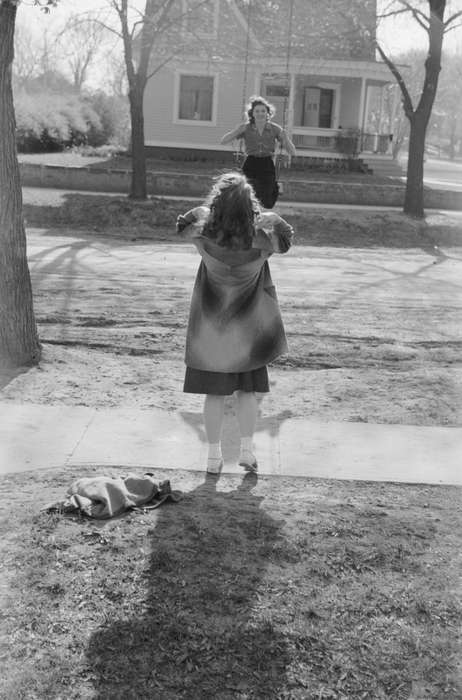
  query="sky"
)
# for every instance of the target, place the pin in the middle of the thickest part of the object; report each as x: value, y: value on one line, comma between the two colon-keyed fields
x: 395, y: 34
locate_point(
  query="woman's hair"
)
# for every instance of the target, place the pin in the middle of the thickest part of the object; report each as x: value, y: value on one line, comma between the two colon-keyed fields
x: 259, y: 100
x: 233, y: 209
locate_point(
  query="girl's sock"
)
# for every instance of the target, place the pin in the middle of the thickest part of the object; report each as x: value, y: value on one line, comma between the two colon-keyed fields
x: 246, y: 444
x: 214, y: 450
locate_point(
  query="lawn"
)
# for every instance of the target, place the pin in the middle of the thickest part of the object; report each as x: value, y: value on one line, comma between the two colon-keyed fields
x: 110, y: 161
x: 268, y: 588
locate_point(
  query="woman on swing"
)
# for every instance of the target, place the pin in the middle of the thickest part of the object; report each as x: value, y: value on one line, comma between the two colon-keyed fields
x: 260, y: 134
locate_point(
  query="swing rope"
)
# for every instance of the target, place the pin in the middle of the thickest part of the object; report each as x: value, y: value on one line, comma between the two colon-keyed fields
x: 239, y: 155
x: 287, y: 91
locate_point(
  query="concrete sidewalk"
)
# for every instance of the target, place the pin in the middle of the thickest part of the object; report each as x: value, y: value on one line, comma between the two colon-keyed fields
x: 34, y: 437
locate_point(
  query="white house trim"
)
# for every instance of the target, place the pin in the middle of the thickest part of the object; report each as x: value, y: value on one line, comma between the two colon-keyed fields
x: 181, y: 144
x: 345, y: 69
x: 176, y: 97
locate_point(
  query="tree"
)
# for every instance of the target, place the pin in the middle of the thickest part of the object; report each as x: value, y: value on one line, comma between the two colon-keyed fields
x: 449, y: 104
x: 436, y: 24
x: 80, y: 43
x: 158, y: 26
x: 19, y: 342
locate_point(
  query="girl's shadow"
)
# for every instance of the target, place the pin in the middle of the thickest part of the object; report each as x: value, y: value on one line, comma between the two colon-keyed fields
x: 202, y: 631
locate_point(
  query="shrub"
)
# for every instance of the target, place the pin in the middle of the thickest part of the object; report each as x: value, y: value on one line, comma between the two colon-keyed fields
x: 51, y: 122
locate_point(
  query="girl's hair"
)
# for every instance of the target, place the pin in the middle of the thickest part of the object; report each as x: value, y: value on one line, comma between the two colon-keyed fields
x: 233, y: 209
x: 259, y: 100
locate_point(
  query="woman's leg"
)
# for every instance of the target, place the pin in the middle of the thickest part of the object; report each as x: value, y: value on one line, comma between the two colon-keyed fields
x: 214, y: 410
x: 247, y: 412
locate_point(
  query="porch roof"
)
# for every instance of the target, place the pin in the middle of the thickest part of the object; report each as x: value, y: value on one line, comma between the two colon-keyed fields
x: 374, y: 70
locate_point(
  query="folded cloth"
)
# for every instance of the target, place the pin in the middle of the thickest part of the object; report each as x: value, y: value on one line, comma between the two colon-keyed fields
x: 103, y: 497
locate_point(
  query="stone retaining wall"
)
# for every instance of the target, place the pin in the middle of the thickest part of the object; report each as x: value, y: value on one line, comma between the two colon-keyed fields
x: 197, y: 185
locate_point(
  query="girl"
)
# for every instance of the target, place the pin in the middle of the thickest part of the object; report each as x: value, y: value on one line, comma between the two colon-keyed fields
x: 235, y: 326
x: 260, y: 134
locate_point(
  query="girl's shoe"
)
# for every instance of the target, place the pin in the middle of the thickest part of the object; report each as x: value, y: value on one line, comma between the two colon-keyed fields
x: 248, y: 461
x: 214, y: 465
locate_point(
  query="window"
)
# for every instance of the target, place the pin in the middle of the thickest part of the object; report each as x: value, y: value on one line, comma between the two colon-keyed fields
x: 196, y: 98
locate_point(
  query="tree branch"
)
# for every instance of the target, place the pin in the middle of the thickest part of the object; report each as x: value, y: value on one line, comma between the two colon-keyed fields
x: 451, y: 19
x: 392, y: 13
x: 418, y: 15
x: 407, y: 101
x: 454, y: 26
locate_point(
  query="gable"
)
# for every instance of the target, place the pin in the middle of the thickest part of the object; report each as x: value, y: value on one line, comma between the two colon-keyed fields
x: 342, y: 29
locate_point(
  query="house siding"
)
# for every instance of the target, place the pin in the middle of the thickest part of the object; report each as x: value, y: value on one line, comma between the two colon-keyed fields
x: 322, y: 29
x: 160, y: 126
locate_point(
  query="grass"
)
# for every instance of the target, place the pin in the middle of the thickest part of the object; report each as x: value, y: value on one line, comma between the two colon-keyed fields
x: 200, y: 166
x: 276, y: 588
x: 155, y: 220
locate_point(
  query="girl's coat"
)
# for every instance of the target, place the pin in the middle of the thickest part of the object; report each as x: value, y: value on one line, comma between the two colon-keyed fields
x: 235, y: 323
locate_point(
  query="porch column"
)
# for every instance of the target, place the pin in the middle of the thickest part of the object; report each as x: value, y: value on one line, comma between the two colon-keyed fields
x: 290, y: 106
x: 361, y: 115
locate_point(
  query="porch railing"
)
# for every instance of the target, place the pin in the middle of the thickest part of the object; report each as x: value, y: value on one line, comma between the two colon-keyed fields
x: 349, y: 142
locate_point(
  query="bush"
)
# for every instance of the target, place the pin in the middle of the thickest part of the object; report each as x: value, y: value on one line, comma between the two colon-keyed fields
x: 51, y: 122
x: 114, y: 116
x: 347, y: 142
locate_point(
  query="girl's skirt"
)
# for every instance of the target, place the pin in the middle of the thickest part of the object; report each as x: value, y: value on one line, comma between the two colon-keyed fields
x: 198, y: 381
x: 261, y: 174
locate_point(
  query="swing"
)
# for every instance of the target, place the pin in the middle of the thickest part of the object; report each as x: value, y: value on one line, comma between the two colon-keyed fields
x: 239, y: 153
x: 279, y: 157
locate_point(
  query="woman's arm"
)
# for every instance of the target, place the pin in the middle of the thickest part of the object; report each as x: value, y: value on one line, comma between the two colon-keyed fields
x: 234, y: 134
x: 288, y: 145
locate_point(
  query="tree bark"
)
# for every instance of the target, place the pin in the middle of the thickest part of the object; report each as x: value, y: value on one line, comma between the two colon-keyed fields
x: 413, y: 199
x: 19, y: 343
x: 414, y: 195
x: 138, y: 189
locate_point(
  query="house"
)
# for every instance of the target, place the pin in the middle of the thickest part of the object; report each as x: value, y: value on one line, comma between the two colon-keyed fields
x: 315, y: 61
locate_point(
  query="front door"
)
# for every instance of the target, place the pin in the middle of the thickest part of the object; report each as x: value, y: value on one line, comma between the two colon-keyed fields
x: 317, y: 107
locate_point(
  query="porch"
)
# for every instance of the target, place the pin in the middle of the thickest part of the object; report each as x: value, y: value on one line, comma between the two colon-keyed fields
x: 332, y: 108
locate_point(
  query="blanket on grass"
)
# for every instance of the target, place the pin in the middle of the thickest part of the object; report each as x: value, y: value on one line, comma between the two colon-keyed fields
x: 103, y: 497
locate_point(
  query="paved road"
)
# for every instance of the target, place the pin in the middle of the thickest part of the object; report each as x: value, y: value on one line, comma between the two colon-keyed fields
x: 41, y: 196
x: 440, y: 174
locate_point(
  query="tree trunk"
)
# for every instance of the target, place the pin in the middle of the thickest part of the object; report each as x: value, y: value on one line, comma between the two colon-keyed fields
x: 138, y: 185
x: 452, y: 136
x: 19, y: 343
x: 414, y: 196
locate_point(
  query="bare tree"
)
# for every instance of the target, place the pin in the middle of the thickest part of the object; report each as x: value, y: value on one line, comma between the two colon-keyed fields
x: 19, y: 342
x: 159, y: 30
x: 27, y: 56
x: 80, y: 43
x: 431, y: 16
x: 449, y: 103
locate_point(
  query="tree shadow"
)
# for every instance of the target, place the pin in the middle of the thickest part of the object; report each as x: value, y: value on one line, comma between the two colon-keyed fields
x: 7, y: 374
x: 201, y: 632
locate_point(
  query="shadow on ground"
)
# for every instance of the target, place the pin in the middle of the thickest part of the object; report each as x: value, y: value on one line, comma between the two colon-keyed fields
x: 200, y: 633
x: 154, y: 219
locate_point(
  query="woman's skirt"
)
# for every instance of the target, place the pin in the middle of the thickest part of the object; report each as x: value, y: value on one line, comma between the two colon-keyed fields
x: 198, y: 381
x: 261, y: 174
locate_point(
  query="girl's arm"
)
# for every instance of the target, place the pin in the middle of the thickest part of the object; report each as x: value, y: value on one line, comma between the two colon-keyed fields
x: 273, y: 233
x: 234, y: 134
x: 191, y: 217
